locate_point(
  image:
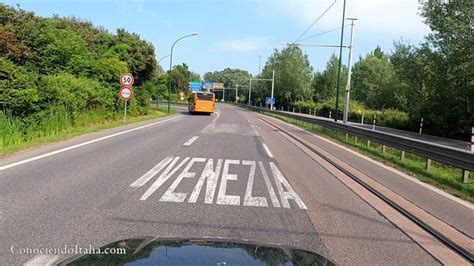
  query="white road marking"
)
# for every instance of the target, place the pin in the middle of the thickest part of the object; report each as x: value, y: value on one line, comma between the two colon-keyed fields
x: 42, y: 260
x: 222, y: 198
x: 190, y: 141
x: 255, y: 130
x: 164, y: 177
x: 285, y: 195
x: 213, y: 122
x: 153, y: 171
x: 268, y: 183
x: 170, y: 195
x: 3, y: 167
x: 267, y: 150
x: 248, y: 199
x: 212, y: 176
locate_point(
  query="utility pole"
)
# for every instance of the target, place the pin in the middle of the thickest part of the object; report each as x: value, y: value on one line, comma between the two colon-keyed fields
x: 250, y: 89
x: 273, y: 87
x: 259, y: 65
x: 340, y: 61
x: 349, y: 73
x: 236, y: 92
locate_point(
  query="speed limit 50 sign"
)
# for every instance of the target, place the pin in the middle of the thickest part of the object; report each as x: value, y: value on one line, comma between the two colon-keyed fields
x: 126, y: 80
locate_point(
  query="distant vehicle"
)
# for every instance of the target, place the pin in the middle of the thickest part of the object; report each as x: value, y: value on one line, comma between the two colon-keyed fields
x: 201, y: 102
x: 151, y: 251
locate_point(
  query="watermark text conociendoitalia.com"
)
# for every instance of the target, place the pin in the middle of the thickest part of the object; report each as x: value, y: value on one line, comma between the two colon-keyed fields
x: 66, y: 249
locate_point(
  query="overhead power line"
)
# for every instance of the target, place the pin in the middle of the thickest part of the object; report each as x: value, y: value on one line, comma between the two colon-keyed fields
x: 315, y: 21
x: 322, y: 33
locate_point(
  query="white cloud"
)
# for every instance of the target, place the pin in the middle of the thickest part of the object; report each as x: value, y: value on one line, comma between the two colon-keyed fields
x: 243, y: 44
x: 384, y: 17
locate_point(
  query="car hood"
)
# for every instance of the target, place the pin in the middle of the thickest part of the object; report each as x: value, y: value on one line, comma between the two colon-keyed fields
x: 174, y: 251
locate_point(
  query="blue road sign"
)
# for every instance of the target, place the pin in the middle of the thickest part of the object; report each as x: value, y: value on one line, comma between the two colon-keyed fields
x: 208, y: 84
x: 195, y: 86
x: 269, y: 100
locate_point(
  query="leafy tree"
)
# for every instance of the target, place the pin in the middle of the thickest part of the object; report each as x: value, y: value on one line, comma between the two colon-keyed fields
x: 293, y: 74
x: 451, y: 96
x: 324, y: 83
x: 180, y: 77
x: 230, y: 77
x: 374, y: 82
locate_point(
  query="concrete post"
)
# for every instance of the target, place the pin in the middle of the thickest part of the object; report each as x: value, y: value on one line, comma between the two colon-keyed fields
x: 465, y: 176
x: 428, y: 164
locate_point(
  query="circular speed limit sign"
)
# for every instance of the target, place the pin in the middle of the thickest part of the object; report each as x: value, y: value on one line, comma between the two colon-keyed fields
x: 126, y: 79
x: 126, y: 93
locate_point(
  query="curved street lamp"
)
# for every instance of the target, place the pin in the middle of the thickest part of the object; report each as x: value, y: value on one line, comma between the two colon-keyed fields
x: 171, y: 63
x: 163, y: 58
x: 157, y: 90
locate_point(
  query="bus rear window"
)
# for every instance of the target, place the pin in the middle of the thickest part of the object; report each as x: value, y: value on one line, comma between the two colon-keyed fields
x: 204, y: 96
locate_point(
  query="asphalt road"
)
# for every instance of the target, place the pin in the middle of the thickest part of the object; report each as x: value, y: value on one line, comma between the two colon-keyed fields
x: 227, y: 175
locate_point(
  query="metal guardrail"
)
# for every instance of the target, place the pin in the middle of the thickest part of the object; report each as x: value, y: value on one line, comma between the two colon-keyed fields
x: 462, y: 159
x: 164, y: 102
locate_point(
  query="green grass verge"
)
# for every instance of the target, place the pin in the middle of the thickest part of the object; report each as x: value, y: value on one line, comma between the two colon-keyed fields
x: 87, y: 124
x: 440, y: 175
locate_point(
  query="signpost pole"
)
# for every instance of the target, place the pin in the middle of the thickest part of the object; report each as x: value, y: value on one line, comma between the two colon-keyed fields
x: 273, y: 87
x: 125, y: 111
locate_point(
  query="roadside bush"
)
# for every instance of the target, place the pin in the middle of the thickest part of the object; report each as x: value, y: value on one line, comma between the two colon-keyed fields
x: 76, y: 94
x: 18, y: 89
x: 388, y: 118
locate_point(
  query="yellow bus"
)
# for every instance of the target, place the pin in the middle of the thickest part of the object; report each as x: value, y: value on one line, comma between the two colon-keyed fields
x: 201, y: 102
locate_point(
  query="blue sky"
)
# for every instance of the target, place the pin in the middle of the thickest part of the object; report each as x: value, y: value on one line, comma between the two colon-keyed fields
x: 232, y: 33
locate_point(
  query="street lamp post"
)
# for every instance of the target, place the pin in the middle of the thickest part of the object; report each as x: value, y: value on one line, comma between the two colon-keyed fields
x: 171, y: 63
x: 157, y: 91
x: 163, y: 58
x: 273, y: 88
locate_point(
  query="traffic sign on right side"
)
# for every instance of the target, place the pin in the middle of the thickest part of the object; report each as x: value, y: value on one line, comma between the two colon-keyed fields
x: 269, y: 100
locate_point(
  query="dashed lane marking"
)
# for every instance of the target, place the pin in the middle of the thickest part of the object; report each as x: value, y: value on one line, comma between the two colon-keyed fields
x: 267, y: 150
x: 190, y: 141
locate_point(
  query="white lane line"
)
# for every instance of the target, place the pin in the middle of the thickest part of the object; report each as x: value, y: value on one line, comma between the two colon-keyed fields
x: 42, y: 260
x: 3, y: 167
x: 190, y: 141
x: 267, y: 150
x: 153, y: 171
x: 255, y: 130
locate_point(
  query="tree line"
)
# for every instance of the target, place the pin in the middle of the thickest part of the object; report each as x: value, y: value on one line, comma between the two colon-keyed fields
x: 433, y: 80
x: 60, y: 72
